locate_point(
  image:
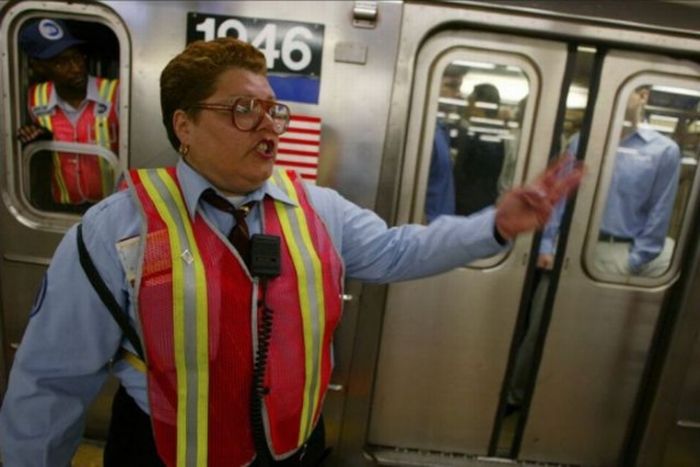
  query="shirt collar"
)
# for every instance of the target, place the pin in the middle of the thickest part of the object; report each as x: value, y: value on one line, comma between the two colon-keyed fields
x: 647, y: 134
x: 92, y: 94
x: 93, y: 91
x: 194, y: 184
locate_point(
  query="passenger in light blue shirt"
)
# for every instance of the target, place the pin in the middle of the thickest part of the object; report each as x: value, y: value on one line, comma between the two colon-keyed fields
x: 71, y: 338
x: 640, y: 200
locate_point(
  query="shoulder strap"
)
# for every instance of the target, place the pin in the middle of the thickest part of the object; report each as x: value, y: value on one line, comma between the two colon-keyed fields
x: 106, y: 296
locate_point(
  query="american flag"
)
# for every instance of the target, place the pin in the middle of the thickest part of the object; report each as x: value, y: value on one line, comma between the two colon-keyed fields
x: 299, y: 147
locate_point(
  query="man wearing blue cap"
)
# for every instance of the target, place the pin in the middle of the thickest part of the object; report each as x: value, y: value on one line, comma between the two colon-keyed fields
x: 69, y: 106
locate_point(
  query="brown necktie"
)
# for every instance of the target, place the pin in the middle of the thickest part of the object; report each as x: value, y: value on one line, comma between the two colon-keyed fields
x: 239, y: 236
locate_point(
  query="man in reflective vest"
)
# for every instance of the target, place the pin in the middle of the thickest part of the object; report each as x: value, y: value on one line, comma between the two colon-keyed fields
x: 72, y: 107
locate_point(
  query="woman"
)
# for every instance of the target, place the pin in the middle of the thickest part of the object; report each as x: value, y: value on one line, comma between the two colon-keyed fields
x: 210, y: 383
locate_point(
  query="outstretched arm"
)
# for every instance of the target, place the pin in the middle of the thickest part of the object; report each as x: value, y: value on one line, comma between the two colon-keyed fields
x: 374, y: 252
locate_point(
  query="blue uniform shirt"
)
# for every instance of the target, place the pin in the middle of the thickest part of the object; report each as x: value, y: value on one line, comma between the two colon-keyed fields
x: 640, y: 197
x: 63, y: 359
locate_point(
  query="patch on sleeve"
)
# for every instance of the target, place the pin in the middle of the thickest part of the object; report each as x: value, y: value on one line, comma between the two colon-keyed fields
x: 128, y: 250
x: 40, y: 295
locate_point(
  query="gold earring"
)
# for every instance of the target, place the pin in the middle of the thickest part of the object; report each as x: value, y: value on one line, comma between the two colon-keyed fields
x: 184, y: 149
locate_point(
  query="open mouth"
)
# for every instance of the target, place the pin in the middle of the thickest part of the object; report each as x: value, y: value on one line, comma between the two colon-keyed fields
x: 266, y: 148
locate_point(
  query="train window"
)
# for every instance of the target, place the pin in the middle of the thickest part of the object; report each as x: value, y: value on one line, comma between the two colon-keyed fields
x: 64, y: 112
x: 477, y: 134
x: 655, y: 161
x: 72, y: 97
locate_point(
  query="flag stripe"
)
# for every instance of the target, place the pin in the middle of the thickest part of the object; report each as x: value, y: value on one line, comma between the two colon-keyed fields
x: 302, y: 170
x: 299, y: 164
x: 301, y: 139
x: 288, y: 148
x: 299, y: 153
x: 304, y: 130
x: 289, y: 157
x: 306, y: 118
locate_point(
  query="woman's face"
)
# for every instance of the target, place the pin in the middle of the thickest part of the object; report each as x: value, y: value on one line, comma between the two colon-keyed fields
x: 234, y: 161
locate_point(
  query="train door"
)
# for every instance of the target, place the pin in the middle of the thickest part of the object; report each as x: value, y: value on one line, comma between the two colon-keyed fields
x: 446, y: 340
x: 605, y: 312
x: 42, y: 187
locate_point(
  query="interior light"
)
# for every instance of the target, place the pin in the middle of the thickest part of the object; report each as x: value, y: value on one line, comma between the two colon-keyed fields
x: 470, y: 64
x: 586, y: 49
x: 675, y: 90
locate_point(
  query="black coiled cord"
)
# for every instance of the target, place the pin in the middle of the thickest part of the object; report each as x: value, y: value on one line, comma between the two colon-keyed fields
x: 259, y: 390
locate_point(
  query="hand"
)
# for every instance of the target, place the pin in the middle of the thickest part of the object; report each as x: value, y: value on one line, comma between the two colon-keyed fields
x: 527, y: 208
x: 545, y: 261
x: 32, y: 132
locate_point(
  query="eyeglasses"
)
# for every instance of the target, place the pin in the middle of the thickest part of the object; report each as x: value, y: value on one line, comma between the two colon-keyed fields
x: 248, y: 112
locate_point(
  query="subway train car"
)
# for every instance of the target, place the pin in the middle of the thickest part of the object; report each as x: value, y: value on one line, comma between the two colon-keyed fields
x: 546, y: 354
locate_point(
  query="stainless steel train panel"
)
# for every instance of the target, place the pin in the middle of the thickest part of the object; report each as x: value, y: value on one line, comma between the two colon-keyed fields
x: 683, y: 444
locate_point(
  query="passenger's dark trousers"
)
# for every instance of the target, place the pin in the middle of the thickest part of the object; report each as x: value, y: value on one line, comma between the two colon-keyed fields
x: 130, y: 440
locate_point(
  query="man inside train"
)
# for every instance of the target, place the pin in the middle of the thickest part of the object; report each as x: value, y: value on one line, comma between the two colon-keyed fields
x: 229, y: 274
x: 633, y: 233
x: 480, y: 152
x: 68, y: 105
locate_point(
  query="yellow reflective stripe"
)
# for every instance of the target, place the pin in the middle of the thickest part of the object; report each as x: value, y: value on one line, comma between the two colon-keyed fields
x: 106, y: 176
x: 41, y: 98
x: 36, y: 96
x: 202, y: 333
x: 63, y: 194
x: 105, y: 168
x: 112, y: 89
x: 106, y: 92
x: 99, y: 120
x: 134, y: 361
x: 178, y: 308
x: 178, y: 328
x: 202, y: 325
x: 311, y: 392
x: 101, y: 140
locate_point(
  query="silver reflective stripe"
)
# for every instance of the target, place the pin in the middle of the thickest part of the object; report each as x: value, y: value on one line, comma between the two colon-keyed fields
x: 190, y: 317
x: 306, y: 256
x: 141, y: 253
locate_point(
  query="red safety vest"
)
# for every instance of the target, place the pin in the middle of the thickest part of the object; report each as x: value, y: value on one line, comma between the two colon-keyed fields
x: 198, y: 309
x: 79, y: 178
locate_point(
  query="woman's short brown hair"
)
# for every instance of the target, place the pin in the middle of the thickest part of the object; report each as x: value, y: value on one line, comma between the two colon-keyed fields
x: 191, y: 76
